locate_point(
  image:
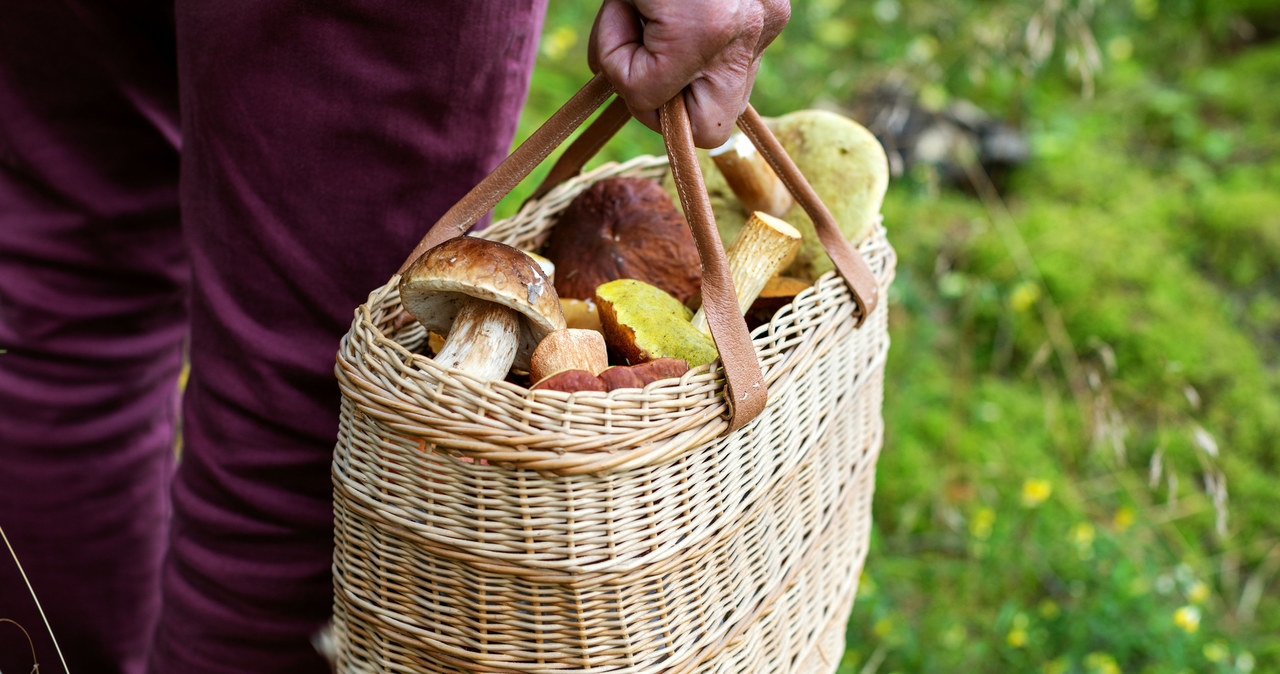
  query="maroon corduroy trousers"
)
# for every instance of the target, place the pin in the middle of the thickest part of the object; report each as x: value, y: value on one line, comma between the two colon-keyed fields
x: 224, y: 179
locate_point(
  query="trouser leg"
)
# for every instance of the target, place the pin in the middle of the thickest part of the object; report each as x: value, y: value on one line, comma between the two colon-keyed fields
x: 92, y: 319
x: 321, y: 139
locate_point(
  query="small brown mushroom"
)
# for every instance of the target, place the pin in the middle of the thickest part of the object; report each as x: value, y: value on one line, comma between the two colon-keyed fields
x: 623, y: 228
x: 640, y: 376
x: 570, y: 381
x: 569, y: 349
x: 751, y: 178
x: 763, y: 248
x: 494, y: 302
x: 613, y: 378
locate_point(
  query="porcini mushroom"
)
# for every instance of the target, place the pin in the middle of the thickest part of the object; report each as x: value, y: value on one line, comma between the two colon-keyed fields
x: 613, y: 378
x: 642, y: 323
x: 493, y: 301
x: 640, y: 376
x: 570, y: 381
x: 763, y: 247
x: 847, y: 167
x: 623, y: 228
x: 569, y: 349
x: 751, y: 178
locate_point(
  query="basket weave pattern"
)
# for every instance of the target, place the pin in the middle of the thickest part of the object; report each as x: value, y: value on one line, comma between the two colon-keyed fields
x: 483, y: 528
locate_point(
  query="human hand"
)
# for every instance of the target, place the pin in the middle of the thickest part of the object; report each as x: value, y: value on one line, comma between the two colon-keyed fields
x: 652, y: 49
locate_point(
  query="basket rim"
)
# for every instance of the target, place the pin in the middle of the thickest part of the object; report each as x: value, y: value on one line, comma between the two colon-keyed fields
x: 395, y: 386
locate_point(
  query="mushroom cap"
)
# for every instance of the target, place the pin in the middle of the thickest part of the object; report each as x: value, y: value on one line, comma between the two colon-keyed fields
x: 623, y: 228
x: 436, y: 285
x: 641, y: 323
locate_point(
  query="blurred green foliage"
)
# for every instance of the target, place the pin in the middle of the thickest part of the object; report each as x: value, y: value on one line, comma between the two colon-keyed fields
x: 1083, y: 400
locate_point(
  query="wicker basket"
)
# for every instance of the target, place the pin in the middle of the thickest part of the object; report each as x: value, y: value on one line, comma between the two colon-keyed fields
x: 482, y: 528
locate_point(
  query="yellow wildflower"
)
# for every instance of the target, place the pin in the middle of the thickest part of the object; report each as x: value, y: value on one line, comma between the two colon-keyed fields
x: 1049, y: 609
x: 1035, y: 492
x: 1024, y: 296
x: 1123, y: 519
x: 1017, y: 638
x: 556, y: 45
x: 1188, y: 618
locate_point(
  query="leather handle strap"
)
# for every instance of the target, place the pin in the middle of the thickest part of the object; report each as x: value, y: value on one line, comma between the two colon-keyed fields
x: 848, y: 261
x: 485, y: 195
x: 585, y: 146
x: 746, y: 393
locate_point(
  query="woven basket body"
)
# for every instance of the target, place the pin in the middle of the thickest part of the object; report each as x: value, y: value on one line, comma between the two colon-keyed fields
x: 480, y: 528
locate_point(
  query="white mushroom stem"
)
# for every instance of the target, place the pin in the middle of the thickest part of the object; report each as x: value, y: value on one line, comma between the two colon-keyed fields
x: 764, y: 246
x: 482, y: 341
x: 751, y: 178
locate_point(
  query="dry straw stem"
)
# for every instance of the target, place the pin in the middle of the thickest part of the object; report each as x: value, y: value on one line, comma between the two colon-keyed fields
x: 39, y: 608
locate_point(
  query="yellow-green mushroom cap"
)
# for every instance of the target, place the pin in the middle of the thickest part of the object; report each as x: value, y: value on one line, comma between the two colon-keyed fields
x: 642, y: 322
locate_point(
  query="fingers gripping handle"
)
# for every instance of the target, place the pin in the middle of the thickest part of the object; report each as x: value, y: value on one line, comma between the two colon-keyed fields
x: 746, y: 392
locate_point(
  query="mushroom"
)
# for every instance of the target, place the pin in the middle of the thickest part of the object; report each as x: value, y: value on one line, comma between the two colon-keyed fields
x: 570, y: 381
x: 623, y: 228
x: 642, y: 323
x: 569, y: 349
x: 547, y: 266
x: 847, y: 167
x: 613, y: 378
x: 581, y: 314
x: 640, y: 376
x: 763, y: 247
x: 493, y: 301
x: 751, y: 178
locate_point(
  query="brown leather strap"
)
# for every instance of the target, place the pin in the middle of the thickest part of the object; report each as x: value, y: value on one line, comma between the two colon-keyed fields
x: 585, y: 146
x: 746, y: 392
x: 847, y: 259
x: 484, y: 196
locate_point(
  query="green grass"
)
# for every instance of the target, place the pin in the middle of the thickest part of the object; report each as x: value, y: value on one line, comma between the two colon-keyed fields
x: 1080, y: 366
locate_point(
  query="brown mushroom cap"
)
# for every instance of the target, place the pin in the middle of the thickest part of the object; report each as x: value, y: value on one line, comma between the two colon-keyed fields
x: 570, y: 381
x: 640, y: 376
x: 435, y: 286
x: 623, y: 228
